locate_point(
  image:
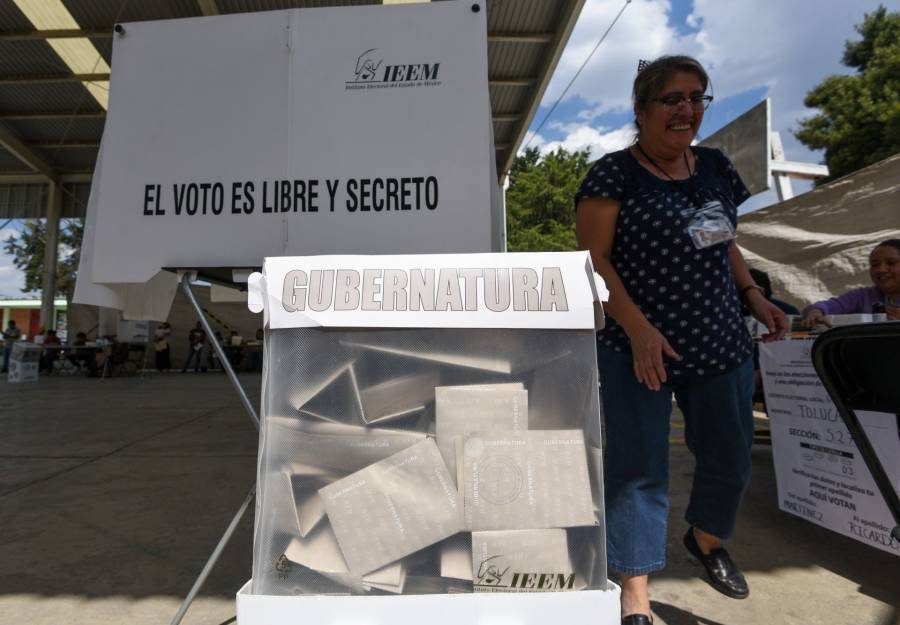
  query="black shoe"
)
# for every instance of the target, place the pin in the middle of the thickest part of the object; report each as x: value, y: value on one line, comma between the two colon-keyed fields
x: 723, y: 574
x: 637, y: 619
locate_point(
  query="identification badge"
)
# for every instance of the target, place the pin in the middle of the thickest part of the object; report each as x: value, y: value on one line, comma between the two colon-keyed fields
x: 708, y: 225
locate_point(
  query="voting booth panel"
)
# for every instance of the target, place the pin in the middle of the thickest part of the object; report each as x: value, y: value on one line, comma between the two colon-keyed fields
x: 234, y: 137
x: 430, y: 426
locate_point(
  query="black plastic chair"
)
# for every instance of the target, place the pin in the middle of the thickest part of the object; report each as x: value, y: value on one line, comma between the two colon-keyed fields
x: 858, y: 367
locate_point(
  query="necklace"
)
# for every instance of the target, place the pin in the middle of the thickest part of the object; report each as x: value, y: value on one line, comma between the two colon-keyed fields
x: 691, y: 192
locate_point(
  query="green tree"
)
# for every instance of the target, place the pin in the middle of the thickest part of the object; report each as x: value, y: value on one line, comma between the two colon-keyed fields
x: 27, y: 251
x: 540, y: 209
x: 859, y: 119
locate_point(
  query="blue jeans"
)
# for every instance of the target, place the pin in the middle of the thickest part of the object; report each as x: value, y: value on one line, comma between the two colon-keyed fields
x: 718, y: 418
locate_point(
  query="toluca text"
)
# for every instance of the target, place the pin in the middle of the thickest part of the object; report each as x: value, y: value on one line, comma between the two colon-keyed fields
x: 355, y: 195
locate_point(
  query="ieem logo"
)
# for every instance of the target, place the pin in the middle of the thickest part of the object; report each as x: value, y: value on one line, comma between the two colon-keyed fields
x: 370, y: 72
x: 366, y: 66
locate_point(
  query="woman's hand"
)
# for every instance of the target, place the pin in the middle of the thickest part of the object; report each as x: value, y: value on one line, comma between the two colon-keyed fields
x: 767, y: 314
x: 893, y: 312
x: 647, y: 348
x: 814, y: 317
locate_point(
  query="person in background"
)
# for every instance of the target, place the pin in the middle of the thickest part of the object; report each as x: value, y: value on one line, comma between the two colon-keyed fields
x: 81, y: 355
x: 232, y: 348
x: 882, y: 297
x: 762, y: 279
x: 161, y: 346
x: 10, y: 335
x: 658, y: 218
x: 213, y: 355
x: 196, y: 339
x: 50, y: 352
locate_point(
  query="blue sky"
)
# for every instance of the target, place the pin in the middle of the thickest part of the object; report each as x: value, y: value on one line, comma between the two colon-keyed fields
x: 753, y: 49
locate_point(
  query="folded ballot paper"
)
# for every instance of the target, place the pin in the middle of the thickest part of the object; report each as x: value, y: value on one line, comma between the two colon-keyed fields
x: 317, y: 447
x: 522, y: 561
x: 319, y: 552
x: 308, y: 507
x: 398, y: 398
x: 460, y: 410
x: 393, y: 508
x: 526, y: 480
x: 334, y: 398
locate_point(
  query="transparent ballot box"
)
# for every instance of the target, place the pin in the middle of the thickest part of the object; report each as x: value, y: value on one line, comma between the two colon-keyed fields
x: 430, y: 425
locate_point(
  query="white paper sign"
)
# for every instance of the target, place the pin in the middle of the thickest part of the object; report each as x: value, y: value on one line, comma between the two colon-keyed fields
x: 529, y: 290
x: 359, y: 129
x: 820, y: 473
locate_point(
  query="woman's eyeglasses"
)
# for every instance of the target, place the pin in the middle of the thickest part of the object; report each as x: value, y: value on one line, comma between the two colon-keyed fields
x: 696, y: 102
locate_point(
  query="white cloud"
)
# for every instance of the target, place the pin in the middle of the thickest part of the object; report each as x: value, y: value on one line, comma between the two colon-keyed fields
x: 786, y: 47
x: 598, y: 140
x: 641, y: 33
x: 11, y: 279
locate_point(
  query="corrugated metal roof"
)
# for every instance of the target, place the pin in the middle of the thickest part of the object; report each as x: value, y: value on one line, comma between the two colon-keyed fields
x: 19, y: 58
x: 104, y: 14
x: 546, y: 23
x: 246, y: 6
x: 28, y: 201
x: 67, y: 160
x: 49, y: 130
x: 43, y: 97
x: 525, y: 16
x: 12, y: 18
x: 514, y: 59
x: 22, y: 201
x: 10, y: 164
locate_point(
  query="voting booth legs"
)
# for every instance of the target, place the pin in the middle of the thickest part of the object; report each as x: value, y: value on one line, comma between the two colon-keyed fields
x: 251, y: 412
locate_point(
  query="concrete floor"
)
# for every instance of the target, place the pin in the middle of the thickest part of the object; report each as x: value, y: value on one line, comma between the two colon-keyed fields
x: 113, y: 493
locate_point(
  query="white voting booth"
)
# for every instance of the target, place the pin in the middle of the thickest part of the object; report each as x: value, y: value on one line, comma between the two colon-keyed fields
x: 345, y: 130
x: 314, y: 131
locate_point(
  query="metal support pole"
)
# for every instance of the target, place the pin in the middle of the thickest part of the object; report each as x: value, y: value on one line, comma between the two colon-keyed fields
x: 51, y: 254
x: 251, y: 411
x: 213, y: 559
x: 226, y: 364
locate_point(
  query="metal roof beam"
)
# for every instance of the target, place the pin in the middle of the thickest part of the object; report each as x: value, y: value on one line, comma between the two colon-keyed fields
x: 51, y: 115
x: 512, y: 82
x: 22, y: 152
x: 501, y: 117
x: 41, y: 179
x: 41, y: 35
x: 563, y: 30
x: 51, y: 145
x: 25, y: 79
x: 208, y: 7
x: 520, y: 37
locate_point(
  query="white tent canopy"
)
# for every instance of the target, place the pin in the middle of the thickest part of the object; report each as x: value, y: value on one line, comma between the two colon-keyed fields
x: 817, y: 245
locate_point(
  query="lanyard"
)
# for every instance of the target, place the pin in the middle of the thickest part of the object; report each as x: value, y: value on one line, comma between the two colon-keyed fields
x: 690, y: 192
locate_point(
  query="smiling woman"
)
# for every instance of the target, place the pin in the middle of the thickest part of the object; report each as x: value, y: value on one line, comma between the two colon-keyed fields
x: 659, y: 219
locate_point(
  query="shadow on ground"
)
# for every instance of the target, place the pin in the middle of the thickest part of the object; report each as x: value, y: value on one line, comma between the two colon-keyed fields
x: 122, y: 488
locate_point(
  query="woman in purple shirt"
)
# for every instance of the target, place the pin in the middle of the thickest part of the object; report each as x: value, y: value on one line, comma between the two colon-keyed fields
x: 884, y: 296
